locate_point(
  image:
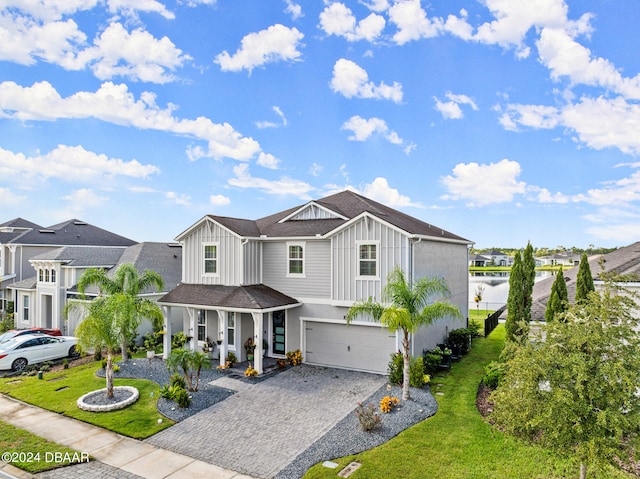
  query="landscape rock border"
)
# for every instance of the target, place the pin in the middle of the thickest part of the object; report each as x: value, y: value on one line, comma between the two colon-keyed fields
x: 112, y: 406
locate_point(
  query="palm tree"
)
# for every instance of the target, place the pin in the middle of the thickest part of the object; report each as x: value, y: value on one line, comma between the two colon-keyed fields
x: 99, y: 331
x: 123, y: 294
x: 406, y: 307
x: 191, y: 363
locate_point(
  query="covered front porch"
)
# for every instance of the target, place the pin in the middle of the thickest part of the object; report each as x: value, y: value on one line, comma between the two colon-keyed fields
x: 228, y: 319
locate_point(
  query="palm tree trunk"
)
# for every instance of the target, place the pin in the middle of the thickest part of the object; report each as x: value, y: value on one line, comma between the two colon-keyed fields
x: 405, y: 369
x: 125, y: 353
x: 109, y: 375
x: 583, y: 470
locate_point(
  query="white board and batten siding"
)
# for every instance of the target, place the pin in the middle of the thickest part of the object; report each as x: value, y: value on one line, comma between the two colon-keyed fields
x: 393, y: 251
x: 357, y: 347
x: 230, y: 264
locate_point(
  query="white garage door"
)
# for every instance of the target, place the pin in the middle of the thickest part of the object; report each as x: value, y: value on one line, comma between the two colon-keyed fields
x: 363, y: 348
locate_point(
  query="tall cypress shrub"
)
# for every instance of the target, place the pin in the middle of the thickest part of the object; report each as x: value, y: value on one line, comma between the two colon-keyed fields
x: 529, y: 279
x: 559, y: 298
x: 516, y: 327
x: 584, y: 281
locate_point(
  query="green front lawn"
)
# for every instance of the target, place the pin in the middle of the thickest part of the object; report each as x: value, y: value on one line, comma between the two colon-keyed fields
x: 32, y: 453
x: 457, y: 443
x: 59, y: 391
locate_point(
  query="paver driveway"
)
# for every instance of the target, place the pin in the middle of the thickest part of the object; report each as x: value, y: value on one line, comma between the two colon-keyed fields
x: 264, y: 426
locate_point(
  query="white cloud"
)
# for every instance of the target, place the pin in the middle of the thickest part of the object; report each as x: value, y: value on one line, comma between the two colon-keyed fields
x: 71, y: 163
x: 363, y: 129
x: 315, y: 169
x: 565, y: 57
x: 514, y: 18
x: 376, y: 5
x: 137, y: 55
x: 599, y: 123
x: 282, y: 186
x: 11, y: 198
x: 219, y: 200
x: 178, y: 199
x: 379, y: 190
x: 451, y: 109
x: 84, y: 198
x: 276, y: 43
x: 131, y: 7
x: 271, y: 124
x: 293, y: 9
x: 338, y: 19
x: 351, y: 80
x: 115, y: 104
x: 412, y: 22
x: 267, y: 160
x: 481, y: 185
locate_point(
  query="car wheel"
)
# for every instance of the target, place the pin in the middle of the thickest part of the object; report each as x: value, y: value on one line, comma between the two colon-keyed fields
x: 19, y: 364
x: 73, y: 352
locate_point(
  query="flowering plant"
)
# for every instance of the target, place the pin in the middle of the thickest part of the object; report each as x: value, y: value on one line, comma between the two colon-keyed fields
x: 294, y: 357
x: 387, y: 403
x: 249, y: 346
x: 250, y: 372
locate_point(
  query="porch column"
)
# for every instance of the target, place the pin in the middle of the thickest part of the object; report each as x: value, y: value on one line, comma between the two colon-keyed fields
x: 192, y: 328
x: 166, y: 340
x: 257, y: 339
x: 222, y: 334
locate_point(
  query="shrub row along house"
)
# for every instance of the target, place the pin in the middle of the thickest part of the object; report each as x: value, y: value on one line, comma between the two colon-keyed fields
x: 284, y: 282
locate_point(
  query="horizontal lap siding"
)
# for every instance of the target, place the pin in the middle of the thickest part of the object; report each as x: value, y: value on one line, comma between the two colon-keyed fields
x: 229, y: 255
x: 393, y: 252
x: 317, y: 269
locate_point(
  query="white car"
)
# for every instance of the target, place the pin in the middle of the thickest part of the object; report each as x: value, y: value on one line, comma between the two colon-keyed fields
x: 26, y: 349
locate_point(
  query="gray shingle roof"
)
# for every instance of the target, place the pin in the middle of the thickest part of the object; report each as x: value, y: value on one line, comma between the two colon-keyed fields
x: 347, y: 204
x: 256, y: 297
x: 82, y: 256
x: 72, y: 233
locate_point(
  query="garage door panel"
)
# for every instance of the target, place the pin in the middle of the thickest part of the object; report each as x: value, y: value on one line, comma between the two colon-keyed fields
x: 364, y: 348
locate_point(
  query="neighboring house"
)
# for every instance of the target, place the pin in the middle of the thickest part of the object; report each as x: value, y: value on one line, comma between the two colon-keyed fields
x: 163, y: 258
x: 491, y: 258
x: 22, y: 240
x: 624, y: 261
x: 564, y: 258
x: 479, y: 260
x: 289, y: 279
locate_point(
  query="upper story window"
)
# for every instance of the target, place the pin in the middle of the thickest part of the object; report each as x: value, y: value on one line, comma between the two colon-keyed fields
x: 41, y: 275
x: 368, y: 259
x: 46, y: 275
x: 53, y: 275
x: 295, y: 258
x: 211, y: 259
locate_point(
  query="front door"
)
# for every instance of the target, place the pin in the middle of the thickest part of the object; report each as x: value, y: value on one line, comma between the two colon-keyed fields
x: 278, y: 328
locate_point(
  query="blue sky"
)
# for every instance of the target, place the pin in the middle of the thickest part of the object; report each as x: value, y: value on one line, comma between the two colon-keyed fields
x: 503, y: 121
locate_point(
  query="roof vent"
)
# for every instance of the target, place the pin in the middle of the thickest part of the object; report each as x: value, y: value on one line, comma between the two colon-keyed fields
x: 79, y: 223
x: 47, y: 231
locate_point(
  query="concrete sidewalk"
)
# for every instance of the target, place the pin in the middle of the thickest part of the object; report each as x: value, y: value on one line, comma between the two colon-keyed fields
x: 135, y: 457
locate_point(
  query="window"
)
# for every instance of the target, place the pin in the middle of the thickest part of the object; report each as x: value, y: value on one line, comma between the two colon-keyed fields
x: 295, y: 258
x: 202, y: 325
x: 53, y: 275
x: 25, y: 308
x: 210, y: 259
x: 41, y: 275
x: 46, y: 275
x: 231, y: 328
x: 368, y: 259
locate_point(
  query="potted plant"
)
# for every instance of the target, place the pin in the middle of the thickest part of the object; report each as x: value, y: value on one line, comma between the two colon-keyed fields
x: 249, y: 347
x: 265, y: 348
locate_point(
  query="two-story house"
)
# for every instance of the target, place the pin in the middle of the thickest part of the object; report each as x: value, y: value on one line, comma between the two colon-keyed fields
x: 22, y: 240
x: 288, y: 280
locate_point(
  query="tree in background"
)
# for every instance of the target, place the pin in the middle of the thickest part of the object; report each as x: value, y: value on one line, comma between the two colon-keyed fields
x: 406, y: 307
x: 584, y: 281
x: 576, y: 391
x: 529, y: 279
x: 559, y: 298
x: 516, y: 326
x: 122, y: 292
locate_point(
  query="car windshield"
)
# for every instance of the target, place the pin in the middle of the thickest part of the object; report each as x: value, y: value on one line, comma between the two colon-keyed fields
x: 7, y: 336
x: 11, y: 343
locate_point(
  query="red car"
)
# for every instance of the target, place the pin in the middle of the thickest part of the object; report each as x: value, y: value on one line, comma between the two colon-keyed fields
x: 19, y: 332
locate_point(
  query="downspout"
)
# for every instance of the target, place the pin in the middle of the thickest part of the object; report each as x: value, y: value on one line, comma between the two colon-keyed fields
x: 243, y: 243
x: 412, y: 242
